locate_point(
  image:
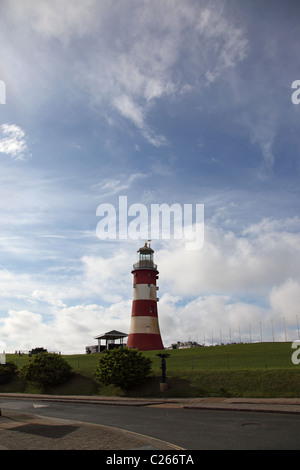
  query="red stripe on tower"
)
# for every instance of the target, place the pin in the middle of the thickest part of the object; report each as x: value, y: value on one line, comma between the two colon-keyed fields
x: 144, y: 331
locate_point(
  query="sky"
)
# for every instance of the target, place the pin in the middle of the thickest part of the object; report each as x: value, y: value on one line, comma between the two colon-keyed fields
x: 161, y: 102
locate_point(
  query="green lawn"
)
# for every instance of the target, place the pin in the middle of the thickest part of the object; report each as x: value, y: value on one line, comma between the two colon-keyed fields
x: 228, y: 357
x: 245, y: 370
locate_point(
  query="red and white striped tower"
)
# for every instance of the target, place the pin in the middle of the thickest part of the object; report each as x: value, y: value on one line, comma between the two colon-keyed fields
x: 144, y: 331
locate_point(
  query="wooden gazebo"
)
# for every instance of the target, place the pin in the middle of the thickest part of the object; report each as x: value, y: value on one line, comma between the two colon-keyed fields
x: 110, y: 337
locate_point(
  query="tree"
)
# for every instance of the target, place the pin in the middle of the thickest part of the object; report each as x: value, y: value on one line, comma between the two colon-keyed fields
x: 37, y: 351
x: 7, y: 371
x: 46, y: 370
x: 123, y: 367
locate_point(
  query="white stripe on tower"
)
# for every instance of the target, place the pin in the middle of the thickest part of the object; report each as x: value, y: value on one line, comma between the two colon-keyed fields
x: 144, y: 292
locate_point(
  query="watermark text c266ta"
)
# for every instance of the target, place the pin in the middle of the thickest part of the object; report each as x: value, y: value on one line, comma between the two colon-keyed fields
x: 180, y: 222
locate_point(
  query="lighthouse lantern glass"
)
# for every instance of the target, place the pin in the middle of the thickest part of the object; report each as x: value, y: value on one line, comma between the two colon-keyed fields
x: 145, y: 257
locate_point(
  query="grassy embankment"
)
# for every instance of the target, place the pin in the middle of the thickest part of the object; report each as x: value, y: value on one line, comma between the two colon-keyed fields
x: 238, y: 370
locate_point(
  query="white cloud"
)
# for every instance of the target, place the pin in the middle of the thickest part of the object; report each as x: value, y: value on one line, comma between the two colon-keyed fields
x: 107, y: 278
x: 143, y: 51
x: 13, y: 142
x: 130, y: 110
x: 234, y: 263
x: 14, y: 285
x: 112, y: 186
x: 69, y: 329
x: 211, y: 317
x: 149, y: 67
x: 16, y: 323
x: 134, y: 54
x: 263, y: 133
x: 284, y: 299
x: 60, y: 19
x: 46, y: 296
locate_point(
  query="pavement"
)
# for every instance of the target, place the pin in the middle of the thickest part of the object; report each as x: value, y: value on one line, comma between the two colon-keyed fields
x: 24, y: 431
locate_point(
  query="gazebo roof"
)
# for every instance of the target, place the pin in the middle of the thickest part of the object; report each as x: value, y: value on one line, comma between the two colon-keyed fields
x: 113, y: 334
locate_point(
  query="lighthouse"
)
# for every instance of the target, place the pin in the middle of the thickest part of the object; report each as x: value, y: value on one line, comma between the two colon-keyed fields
x: 144, y: 331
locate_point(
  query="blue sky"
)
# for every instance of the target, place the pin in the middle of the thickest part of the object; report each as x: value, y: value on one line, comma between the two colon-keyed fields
x: 168, y: 101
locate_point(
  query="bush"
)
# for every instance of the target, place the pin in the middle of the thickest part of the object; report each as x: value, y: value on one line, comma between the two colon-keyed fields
x: 46, y: 370
x: 7, y: 371
x: 123, y: 367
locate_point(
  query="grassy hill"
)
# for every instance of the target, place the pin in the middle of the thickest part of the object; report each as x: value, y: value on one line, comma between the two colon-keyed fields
x: 245, y: 370
x: 231, y: 356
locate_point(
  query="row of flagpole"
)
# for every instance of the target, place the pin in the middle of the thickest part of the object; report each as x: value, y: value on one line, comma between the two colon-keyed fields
x: 232, y: 337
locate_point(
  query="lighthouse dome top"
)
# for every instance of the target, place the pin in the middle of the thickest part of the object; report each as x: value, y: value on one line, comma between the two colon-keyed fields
x: 145, y: 249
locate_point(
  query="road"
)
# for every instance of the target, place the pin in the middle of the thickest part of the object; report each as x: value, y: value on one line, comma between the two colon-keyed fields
x: 187, y: 428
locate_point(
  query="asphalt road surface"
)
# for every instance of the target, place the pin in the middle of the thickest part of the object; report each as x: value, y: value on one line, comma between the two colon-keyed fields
x: 189, y: 429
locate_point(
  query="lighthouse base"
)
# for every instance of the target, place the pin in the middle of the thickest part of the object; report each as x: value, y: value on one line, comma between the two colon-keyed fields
x: 145, y: 341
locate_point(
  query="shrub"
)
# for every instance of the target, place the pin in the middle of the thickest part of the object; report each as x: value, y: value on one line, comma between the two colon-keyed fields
x: 122, y: 367
x: 46, y: 370
x: 7, y: 371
